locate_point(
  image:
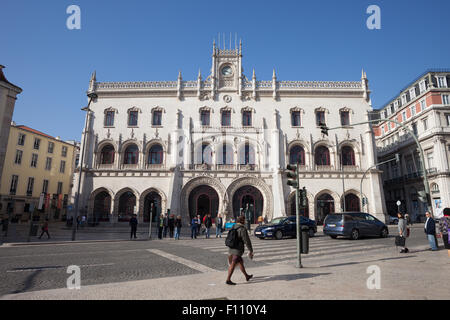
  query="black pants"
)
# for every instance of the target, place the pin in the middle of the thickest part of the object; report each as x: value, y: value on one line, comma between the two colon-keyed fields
x: 171, y: 231
x: 45, y: 231
x: 165, y: 231
x: 133, y: 232
x: 160, y: 232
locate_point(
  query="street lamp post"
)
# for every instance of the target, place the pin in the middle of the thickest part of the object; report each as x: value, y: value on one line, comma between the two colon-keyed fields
x: 91, y: 96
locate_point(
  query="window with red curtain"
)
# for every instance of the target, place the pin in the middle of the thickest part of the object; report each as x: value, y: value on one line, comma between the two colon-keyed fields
x: 297, y: 155
x: 226, y: 118
x: 322, y: 156
x: 348, y: 156
x: 131, y: 155
x: 155, y: 155
x: 107, y: 155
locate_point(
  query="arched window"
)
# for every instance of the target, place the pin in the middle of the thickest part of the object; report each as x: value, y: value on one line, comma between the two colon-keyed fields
x: 297, y: 155
x: 155, y: 154
x: 322, y: 156
x: 131, y: 155
x: 107, y: 155
x: 206, y: 156
x: 348, y: 156
x: 247, y: 154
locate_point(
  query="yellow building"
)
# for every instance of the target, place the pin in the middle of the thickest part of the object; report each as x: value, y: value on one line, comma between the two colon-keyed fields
x: 37, y: 174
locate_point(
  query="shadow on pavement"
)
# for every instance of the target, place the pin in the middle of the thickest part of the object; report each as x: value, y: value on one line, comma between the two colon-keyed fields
x: 351, y: 263
x: 29, y: 282
x: 286, y: 277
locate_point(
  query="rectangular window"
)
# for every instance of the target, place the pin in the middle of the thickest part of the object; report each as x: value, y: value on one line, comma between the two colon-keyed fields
x: 204, y: 117
x: 320, y: 117
x: 412, y: 93
x: 392, y: 109
x: 430, y: 161
x: 414, y: 128
x: 62, y: 167
x: 13, y: 187
x: 447, y: 117
x: 34, y: 159
x: 45, y: 186
x: 37, y: 143
x: 345, y: 118
x: 157, y: 118
x: 60, y: 185
x: 413, y: 111
x: 64, y: 151
x: 21, y: 140
x: 30, y: 186
x: 295, y: 119
x: 422, y: 86
x: 423, y: 105
x: 247, y: 118
x: 133, y: 118
x: 395, y: 104
x: 48, y: 164
x: 404, y: 99
x: 425, y: 124
x: 51, y: 146
x: 226, y: 118
x: 445, y: 99
x: 442, y: 82
x: 403, y: 116
x: 18, y: 159
x: 109, y: 118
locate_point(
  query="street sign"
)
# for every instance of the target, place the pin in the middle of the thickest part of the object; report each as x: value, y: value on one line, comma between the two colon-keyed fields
x: 69, y: 207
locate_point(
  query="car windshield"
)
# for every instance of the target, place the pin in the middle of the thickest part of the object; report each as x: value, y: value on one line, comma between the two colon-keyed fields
x: 276, y: 220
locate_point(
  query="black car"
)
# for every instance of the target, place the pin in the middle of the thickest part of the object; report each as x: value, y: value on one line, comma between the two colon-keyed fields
x: 284, y: 227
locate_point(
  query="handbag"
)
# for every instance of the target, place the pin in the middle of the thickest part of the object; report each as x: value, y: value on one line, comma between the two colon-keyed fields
x: 408, y: 231
x: 399, y: 241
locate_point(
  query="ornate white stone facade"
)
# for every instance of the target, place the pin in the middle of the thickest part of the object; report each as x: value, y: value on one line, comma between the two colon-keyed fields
x: 231, y: 134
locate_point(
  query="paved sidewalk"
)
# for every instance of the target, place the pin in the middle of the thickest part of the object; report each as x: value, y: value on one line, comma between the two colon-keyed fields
x: 420, y: 275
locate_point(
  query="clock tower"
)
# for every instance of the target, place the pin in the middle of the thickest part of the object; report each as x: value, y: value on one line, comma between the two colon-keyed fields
x: 226, y: 72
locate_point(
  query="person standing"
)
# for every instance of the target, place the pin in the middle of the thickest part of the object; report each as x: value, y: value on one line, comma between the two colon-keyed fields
x: 199, y: 224
x: 219, y: 226
x: 402, y: 230
x: 171, y: 224
x: 45, y: 229
x: 444, y: 229
x: 133, y: 224
x: 194, y: 227
x: 430, y: 231
x: 208, y: 224
x: 160, y: 224
x: 178, y: 228
x: 235, y: 253
x: 165, y: 224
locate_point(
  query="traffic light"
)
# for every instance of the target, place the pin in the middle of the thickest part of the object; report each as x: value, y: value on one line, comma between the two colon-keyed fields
x: 292, y: 175
x: 303, y: 198
x: 323, y: 128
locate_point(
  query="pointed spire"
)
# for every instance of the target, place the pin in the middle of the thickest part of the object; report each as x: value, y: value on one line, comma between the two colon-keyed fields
x: 199, y: 74
x: 254, y: 76
x: 274, y: 74
x: 179, y: 75
x: 94, y: 76
x: 363, y: 75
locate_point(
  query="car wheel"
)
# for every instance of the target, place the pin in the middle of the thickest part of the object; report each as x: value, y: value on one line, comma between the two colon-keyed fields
x: 333, y: 237
x: 311, y: 233
x: 278, y: 235
x: 355, y: 234
x: 384, y: 233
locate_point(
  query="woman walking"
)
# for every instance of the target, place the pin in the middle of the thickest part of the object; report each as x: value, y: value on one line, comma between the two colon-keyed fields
x: 402, y: 230
x: 160, y: 226
x: 177, y: 228
x: 45, y: 229
x: 444, y: 229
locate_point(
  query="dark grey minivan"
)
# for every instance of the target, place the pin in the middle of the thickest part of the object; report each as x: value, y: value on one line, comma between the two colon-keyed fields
x: 354, y: 225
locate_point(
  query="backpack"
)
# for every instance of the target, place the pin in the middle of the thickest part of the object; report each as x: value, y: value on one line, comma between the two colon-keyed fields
x: 232, y: 241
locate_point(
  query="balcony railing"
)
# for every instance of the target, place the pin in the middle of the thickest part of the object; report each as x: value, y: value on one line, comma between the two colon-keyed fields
x: 324, y: 167
x: 155, y: 166
x: 105, y: 166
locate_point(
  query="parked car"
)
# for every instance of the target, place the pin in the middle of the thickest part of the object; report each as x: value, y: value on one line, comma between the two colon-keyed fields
x: 393, y: 220
x: 354, y: 225
x: 281, y: 227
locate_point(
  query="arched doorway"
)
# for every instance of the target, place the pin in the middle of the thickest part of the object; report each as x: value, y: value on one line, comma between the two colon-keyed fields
x: 325, y: 205
x: 303, y: 211
x: 127, y: 203
x: 352, y: 202
x: 203, y: 200
x: 102, y: 206
x: 152, y: 202
x: 248, y: 198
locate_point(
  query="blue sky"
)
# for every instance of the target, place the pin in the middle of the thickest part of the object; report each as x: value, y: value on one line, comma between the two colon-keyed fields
x: 137, y: 40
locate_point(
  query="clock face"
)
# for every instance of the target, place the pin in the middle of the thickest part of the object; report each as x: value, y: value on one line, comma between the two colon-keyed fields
x: 227, y: 71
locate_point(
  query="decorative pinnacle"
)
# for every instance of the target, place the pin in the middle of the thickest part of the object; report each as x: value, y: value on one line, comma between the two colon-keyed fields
x: 199, y: 74
x: 274, y: 74
x: 254, y: 76
x: 179, y: 75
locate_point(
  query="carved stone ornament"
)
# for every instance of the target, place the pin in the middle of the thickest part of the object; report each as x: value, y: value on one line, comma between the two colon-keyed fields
x: 247, y: 96
x: 227, y: 98
x: 205, y: 96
